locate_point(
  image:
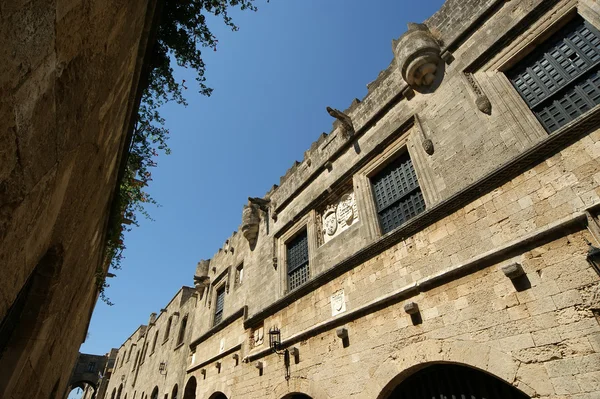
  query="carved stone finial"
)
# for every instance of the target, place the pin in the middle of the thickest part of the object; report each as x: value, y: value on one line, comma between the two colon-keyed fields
x: 428, y: 146
x: 250, y: 223
x: 345, y: 120
x: 418, y: 55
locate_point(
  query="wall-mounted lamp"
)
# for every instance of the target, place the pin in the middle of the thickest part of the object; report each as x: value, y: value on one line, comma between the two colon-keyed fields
x: 593, y: 257
x: 218, y: 366
x: 203, y: 372
x: 274, y: 339
x: 275, y: 345
x: 236, y: 357
x: 162, y: 368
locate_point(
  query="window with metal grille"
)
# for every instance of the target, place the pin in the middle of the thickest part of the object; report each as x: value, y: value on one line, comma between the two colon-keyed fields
x: 297, y: 260
x: 398, y: 196
x: 560, y: 80
x: 219, y: 305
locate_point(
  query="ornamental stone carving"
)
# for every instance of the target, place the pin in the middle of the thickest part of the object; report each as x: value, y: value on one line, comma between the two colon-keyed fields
x: 250, y: 223
x: 338, y: 216
x: 201, y: 279
x: 418, y: 55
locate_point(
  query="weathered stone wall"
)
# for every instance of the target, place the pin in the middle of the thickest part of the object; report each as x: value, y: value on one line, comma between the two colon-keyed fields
x: 499, y: 191
x: 69, y: 78
x: 137, y: 369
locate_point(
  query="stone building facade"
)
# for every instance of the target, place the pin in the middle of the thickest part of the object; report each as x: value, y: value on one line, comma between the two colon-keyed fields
x: 69, y: 77
x: 439, y: 241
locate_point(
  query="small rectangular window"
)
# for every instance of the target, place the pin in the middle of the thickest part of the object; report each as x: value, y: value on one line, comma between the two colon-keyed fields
x: 297, y: 260
x: 239, y: 275
x: 560, y: 80
x: 91, y: 367
x: 397, y: 194
x: 219, y: 305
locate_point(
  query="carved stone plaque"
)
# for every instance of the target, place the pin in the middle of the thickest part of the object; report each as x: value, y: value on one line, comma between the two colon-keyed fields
x: 338, y: 216
x: 338, y: 303
x: 258, y: 336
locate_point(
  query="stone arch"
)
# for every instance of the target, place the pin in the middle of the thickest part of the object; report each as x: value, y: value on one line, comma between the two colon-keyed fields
x: 24, y: 325
x: 190, y: 389
x: 296, y: 387
x: 449, y: 380
x: 218, y: 395
x: 119, y: 391
x: 114, y: 394
x: 175, y: 392
x: 406, y: 361
x: 154, y: 394
x: 81, y: 384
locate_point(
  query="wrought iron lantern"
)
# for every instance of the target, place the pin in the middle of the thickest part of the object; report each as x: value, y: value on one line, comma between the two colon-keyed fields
x: 274, y: 339
x: 275, y: 345
x: 593, y: 257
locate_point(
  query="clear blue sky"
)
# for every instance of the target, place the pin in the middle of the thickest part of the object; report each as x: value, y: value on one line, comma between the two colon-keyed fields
x: 272, y: 81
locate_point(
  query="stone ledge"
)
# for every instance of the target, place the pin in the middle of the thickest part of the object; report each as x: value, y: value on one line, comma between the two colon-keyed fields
x: 242, y: 312
x: 214, y: 358
x: 576, y: 221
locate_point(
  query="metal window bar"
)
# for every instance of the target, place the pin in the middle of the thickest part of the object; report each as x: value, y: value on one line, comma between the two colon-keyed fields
x: 219, y: 305
x: 398, y: 196
x: 559, y: 81
x: 297, y: 261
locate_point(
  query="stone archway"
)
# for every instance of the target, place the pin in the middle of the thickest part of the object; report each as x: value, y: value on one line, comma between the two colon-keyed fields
x: 296, y: 395
x: 400, y: 364
x: 299, y: 388
x: 190, y: 389
x: 449, y: 380
x: 218, y: 395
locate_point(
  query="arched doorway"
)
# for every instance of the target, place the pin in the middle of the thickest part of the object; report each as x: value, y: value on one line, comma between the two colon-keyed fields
x: 296, y: 396
x: 154, y: 394
x: 218, y: 395
x: 190, y: 389
x: 440, y: 381
x: 174, y: 392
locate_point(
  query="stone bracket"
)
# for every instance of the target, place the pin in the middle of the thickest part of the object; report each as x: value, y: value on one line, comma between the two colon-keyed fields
x: 482, y: 102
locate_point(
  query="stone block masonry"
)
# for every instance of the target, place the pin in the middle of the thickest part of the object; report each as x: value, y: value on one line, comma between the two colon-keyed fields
x: 69, y: 80
x: 454, y: 243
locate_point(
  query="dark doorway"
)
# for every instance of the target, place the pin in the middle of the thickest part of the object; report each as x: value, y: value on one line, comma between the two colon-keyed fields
x: 451, y: 381
x: 190, y: 389
x: 297, y: 396
x: 218, y: 395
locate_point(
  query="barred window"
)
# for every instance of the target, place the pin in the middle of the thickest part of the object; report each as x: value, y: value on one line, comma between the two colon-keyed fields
x: 398, y: 196
x: 219, y: 305
x: 560, y: 80
x: 297, y: 260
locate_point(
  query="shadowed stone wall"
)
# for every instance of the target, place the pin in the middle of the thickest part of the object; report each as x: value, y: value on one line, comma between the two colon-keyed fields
x: 69, y: 77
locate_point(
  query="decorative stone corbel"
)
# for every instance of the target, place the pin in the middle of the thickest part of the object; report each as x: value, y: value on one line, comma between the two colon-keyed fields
x: 481, y: 99
x: 418, y: 55
x: 345, y: 120
x: 201, y: 279
x: 250, y: 223
x: 426, y: 141
x: 513, y: 271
